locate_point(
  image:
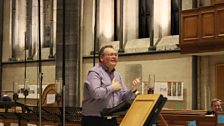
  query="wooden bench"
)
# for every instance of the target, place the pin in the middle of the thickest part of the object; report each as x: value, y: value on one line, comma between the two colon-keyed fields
x: 183, y: 117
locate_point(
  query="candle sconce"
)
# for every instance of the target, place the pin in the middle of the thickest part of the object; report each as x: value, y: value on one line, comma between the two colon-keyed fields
x: 151, y: 84
x: 15, y: 97
x: 15, y: 92
x: 26, y: 90
x: 58, y: 96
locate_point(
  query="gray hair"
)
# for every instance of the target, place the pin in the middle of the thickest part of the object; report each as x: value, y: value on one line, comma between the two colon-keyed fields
x: 215, y: 100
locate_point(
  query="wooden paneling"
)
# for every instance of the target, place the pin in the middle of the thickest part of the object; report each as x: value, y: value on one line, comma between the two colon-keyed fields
x: 217, y: 1
x: 207, y: 25
x: 219, y: 86
x: 183, y: 117
x: 190, y: 26
x: 220, y: 22
x: 202, y: 29
x: 192, y: 33
x: 170, y: 117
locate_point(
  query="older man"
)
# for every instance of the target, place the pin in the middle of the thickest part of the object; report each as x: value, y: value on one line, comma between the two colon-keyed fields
x: 216, y: 106
x: 104, y: 88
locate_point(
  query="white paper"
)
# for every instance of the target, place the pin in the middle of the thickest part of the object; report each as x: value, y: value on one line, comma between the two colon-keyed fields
x: 50, y: 98
x: 29, y: 124
x: 161, y: 88
x: 1, y: 124
x: 14, y: 124
x: 173, y: 90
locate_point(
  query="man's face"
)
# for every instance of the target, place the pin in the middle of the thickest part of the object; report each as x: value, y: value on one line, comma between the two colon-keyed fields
x: 216, y: 106
x: 109, y: 58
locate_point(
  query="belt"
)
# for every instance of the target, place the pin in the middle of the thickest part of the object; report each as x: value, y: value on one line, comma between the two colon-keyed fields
x: 104, y: 117
x: 109, y: 117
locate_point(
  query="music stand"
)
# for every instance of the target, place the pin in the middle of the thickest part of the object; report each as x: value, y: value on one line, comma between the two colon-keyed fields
x: 144, y: 110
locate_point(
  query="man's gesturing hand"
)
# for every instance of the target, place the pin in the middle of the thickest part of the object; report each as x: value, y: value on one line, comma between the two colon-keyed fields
x: 116, y: 85
x: 135, y: 84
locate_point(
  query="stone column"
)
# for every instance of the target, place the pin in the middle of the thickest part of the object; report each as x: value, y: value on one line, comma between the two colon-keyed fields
x: 29, y: 28
x: 72, y: 49
x: 1, y: 39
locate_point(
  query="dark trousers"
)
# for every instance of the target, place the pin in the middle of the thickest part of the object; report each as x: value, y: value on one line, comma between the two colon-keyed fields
x: 98, y: 121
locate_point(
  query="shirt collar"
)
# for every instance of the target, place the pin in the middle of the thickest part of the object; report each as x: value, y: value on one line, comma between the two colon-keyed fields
x: 106, y: 68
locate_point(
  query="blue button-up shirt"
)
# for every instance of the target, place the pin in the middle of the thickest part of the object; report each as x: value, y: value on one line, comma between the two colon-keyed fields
x: 98, y: 91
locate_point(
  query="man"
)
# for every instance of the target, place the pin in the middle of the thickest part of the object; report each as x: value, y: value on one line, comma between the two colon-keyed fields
x: 104, y: 89
x: 215, y: 106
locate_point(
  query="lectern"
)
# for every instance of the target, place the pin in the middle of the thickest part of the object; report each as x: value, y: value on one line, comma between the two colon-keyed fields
x: 144, y: 110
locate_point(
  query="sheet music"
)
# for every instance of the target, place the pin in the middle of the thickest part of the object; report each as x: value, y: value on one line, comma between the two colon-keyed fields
x: 1, y: 124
